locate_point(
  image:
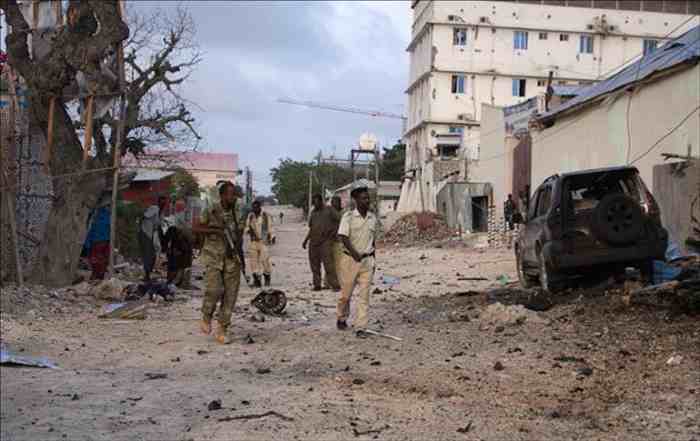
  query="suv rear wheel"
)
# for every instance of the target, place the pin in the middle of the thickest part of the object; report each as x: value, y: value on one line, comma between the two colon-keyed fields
x: 550, y: 281
x: 526, y: 281
x: 618, y: 220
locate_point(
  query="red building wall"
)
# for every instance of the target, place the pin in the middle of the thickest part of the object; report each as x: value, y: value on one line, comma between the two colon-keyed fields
x: 145, y: 193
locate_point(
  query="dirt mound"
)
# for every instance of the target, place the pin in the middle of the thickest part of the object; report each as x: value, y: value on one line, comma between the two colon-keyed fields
x: 417, y: 229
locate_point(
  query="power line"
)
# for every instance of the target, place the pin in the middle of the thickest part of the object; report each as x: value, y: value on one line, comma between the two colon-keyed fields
x: 676, y: 127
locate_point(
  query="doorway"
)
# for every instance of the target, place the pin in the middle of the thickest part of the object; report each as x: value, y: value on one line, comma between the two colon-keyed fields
x: 480, y: 214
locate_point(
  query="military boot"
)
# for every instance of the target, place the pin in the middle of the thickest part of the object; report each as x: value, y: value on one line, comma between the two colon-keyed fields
x: 256, y: 281
x: 267, y: 279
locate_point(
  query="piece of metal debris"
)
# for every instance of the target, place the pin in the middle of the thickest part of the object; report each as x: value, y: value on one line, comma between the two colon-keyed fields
x: 9, y: 358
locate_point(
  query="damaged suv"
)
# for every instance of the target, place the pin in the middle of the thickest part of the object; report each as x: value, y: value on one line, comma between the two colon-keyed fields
x: 589, y: 221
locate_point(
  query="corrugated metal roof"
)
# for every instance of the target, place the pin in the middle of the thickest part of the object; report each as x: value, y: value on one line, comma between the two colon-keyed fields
x: 567, y: 90
x: 684, y: 49
x: 143, y: 174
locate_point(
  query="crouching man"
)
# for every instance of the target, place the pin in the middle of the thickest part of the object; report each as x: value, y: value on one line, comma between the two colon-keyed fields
x: 357, y: 232
x: 223, y: 264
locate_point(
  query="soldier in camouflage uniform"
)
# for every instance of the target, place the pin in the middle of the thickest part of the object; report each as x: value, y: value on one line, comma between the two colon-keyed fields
x: 223, y: 266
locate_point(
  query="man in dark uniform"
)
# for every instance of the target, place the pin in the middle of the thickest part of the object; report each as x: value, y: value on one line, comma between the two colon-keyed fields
x: 322, y: 231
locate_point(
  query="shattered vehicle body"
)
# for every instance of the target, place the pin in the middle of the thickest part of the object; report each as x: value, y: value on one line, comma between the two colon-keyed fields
x: 591, y: 220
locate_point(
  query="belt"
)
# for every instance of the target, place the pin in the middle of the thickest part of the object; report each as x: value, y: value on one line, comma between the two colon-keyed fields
x: 362, y: 256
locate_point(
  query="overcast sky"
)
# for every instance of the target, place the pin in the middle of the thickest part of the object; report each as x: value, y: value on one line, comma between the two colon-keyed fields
x: 346, y: 53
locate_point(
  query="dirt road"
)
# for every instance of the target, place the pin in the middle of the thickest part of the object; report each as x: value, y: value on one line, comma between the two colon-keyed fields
x: 585, y: 369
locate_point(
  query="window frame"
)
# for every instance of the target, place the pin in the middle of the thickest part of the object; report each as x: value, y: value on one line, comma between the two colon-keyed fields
x: 520, y: 40
x: 456, y: 83
x: 543, y: 36
x: 455, y: 129
x: 647, y: 46
x: 563, y: 37
x: 521, y: 87
x: 456, y: 41
x: 588, y: 46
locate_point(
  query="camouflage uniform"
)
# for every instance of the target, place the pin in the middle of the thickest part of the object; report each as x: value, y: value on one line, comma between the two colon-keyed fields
x: 223, y: 273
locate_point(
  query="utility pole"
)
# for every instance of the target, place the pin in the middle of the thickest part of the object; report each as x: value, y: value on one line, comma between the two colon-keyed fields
x: 248, y: 186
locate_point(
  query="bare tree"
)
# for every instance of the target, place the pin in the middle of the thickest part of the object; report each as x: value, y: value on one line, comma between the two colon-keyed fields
x: 161, y: 54
x: 94, y: 29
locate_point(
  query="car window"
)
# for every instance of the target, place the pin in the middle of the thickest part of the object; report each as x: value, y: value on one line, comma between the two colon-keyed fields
x: 585, y: 196
x: 533, y: 205
x: 544, y: 201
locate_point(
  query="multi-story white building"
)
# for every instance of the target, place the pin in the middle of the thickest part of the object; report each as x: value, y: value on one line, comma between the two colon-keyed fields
x: 465, y: 53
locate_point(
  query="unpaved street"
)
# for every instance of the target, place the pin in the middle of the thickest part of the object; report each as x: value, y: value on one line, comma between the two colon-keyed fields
x: 588, y: 368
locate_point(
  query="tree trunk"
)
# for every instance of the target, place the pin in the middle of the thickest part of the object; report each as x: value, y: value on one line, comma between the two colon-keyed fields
x: 75, y: 194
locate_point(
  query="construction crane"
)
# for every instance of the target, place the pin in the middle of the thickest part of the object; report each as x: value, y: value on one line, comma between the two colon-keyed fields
x: 345, y: 109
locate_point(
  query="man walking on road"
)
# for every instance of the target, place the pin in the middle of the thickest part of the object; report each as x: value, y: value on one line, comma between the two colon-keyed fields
x: 322, y: 230
x: 223, y: 265
x: 151, y: 236
x: 259, y: 227
x: 357, y: 231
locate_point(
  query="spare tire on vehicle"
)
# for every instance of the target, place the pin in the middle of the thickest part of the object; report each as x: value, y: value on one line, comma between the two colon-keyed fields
x: 618, y: 219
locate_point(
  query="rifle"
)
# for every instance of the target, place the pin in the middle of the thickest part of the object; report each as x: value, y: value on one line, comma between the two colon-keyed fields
x: 234, y: 247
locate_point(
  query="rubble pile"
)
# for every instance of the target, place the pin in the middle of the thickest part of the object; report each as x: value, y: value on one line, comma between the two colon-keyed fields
x: 417, y: 229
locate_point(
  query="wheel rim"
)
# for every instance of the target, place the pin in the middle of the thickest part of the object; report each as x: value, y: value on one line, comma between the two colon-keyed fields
x: 619, y: 217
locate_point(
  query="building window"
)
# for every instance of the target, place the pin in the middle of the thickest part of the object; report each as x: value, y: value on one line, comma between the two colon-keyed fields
x: 562, y: 82
x: 586, y: 44
x: 563, y: 37
x: 459, y: 37
x: 520, y: 40
x: 543, y: 35
x: 454, y: 129
x: 519, y: 87
x: 650, y: 46
x: 458, y: 82
x: 541, y: 83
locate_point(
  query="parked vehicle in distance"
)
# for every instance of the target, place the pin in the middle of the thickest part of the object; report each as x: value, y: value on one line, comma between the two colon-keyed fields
x: 587, y: 221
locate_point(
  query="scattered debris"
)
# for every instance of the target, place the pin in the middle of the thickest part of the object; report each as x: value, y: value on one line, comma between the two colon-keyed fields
x: 418, y: 229
x: 263, y: 371
x: 358, y: 382
x: 255, y: 416
x: 152, y: 289
x: 258, y: 317
x: 150, y: 376
x: 110, y: 289
x: 466, y: 428
x: 379, y: 334
x: 472, y: 279
x: 9, y: 358
x: 498, y: 366
x: 584, y: 371
x: 456, y: 316
x: 125, y: 311
x: 359, y: 433
x: 214, y: 405
x: 270, y: 301
x: 509, y: 315
x: 553, y: 413
x: 249, y: 340
x: 389, y: 280
x: 676, y: 360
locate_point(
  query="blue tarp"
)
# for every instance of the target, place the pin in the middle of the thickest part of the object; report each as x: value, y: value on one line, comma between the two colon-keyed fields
x: 8, y: 357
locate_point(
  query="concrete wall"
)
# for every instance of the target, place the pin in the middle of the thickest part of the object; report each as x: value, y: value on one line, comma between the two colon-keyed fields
x: 492, y: 163
x: 677, y: 192
x: 597, y: 136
